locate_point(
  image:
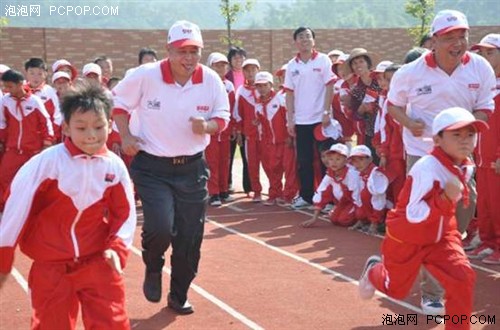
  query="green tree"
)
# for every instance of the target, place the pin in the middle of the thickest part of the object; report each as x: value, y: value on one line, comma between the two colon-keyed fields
x: 422, y: 10
x: 230, y: 12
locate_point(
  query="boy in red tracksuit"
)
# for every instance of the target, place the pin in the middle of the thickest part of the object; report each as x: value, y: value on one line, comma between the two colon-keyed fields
x: 340, y: 93
x: 25, y: 128
x: 340, y: 185
x: 487, y: 156
x: 36, y: 76
x: 71, y: 209
x: 278, y: 147
x: 388, y: 141
x: 248, y: 125
x: 422, y: 229
x: 373, y: 189
x: 217, y: 152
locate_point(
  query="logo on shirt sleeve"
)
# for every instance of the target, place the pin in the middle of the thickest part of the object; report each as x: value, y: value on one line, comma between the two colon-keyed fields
x: 109, y: 177
x: 153, y: 104
x: 202, y: 108
x: 426, y: 89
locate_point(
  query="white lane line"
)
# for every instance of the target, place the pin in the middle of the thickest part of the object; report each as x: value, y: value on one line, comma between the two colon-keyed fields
x: 210, y: 297
x: 20, y: 279
x: 232, y: 215
x: 312, y: 264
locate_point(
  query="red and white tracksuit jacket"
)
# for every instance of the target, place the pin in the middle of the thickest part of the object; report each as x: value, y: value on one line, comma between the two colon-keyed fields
x: 372, y: 195
x: 280, y: 156
x: 25, y: 128
x: 388, y: 142
x: 422, y: 229
x: 341, y: 187
x: 488, y: 181
x: 51, y: 102
x: 340, y: 112
x: 217, y: 151
x: 247, y: 122
x: 65, y: 208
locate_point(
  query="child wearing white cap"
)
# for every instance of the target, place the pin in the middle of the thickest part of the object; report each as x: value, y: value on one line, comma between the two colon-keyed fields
x: 218, y: 150
x: 248, y: 125
x: 373, y: 189
x: 279, y: 158
x: 422, y: 229
x: 487, y: 157
x: 340, y: 185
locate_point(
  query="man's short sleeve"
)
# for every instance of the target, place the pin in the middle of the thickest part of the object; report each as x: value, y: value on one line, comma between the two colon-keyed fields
x: 398, y: 90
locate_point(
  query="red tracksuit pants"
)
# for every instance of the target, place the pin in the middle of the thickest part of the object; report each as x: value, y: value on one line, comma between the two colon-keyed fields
x: 281, y: 159
x: 254, y: 150
x: 488, y: 207
x: 58, y: 290
x: 217, y: 156
x: 445, y: 260
x: 12, y: 161
x: 396, y: 173
x: 343, y: 213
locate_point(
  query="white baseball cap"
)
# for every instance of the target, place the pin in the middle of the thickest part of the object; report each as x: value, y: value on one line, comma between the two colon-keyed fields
x: 335, y: 52
x: 340, y: 149
x: 184, y: 33
x: 263, y: 77
x: 216, y: 57
x: 382, y: 66
x: 333, y: 130
x: 360, y: 151
x: 59, y: 75
x: 3, y: 68
x: 60, y: 63
x: 491, y: 40
x: 448, y: 20
x: 91, y: 68
x: 455, y: 118
x: 251, y: 61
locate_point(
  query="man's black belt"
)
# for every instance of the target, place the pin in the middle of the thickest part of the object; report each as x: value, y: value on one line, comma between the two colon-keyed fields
x: 178, y: 160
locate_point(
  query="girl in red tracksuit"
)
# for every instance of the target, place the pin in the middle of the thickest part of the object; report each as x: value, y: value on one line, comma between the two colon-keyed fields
x: 278, y: 146
x: 388, y: 142
x: 217, y: 152
x: 71, y: 209
x: 246, y: 120
x: 25, y: 128
x: 373, y: 189
x: 340, y: 185
x: 422, y: 229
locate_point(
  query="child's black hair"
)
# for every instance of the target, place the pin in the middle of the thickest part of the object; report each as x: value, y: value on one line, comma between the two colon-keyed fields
x: 147, y: 51
x: 35, y: 62
x: 413, y: 54
x: 13, y: 76
x: 302, y: 29
x: 424, y: 39
x: 101, y: 58
x: 87, y: 96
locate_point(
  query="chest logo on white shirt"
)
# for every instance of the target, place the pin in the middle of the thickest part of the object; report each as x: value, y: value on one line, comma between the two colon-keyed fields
x: 295, y: 73
x: 316, y: 69
x: 474, y: 86
x: 154, y: 104
x: 109, y: 177
x: 426, y: 89
x: 202, y: 108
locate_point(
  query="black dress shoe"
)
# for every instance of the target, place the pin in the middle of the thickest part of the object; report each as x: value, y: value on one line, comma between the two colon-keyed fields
x: 152, y: 286
x: 177, y: 307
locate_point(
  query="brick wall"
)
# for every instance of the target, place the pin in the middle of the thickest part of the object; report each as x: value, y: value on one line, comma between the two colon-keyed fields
x: 271, y: 47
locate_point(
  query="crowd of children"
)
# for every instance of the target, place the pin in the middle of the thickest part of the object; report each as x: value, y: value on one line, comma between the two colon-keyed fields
x: 361, y: 150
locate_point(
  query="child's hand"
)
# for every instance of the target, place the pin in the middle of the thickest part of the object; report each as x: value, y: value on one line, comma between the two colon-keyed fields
x: 3, y: 279
x: 308, y: 223
x: 453, y: 188
x: 113, y: 260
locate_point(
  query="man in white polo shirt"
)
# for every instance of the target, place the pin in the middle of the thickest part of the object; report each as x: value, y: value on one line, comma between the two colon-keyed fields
x: 448, y: 76
x: 179, y: 104
x: 309, y: 93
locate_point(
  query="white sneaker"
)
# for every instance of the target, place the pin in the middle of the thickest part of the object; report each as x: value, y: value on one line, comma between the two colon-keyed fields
x: 299, y: 204
x: 432, y: 306
x: 327, y: 209
x: 366, y: 289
